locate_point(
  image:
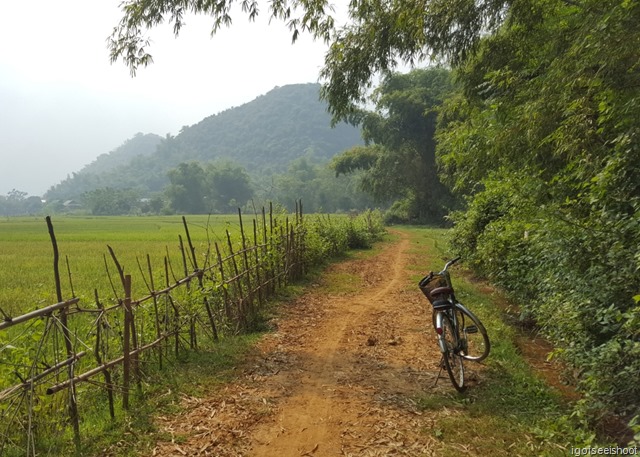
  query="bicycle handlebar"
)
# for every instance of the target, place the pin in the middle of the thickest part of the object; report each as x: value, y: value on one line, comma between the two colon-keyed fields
x: 451, y: 262
x: 427, y: 278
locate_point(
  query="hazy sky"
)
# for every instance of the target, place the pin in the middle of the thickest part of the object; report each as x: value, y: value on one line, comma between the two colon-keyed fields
x: 62, y: 103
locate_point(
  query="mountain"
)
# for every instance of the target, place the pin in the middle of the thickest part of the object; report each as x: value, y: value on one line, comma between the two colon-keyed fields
x: 264, y: 136
x: 271, y: 131
x: 139, y: 145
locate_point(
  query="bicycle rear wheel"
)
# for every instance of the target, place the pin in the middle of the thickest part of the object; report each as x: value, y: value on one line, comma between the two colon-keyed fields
x: 453, y: 361
x: 474, y: 337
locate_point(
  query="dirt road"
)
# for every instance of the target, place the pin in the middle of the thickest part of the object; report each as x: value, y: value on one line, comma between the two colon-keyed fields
x: 339, y: 377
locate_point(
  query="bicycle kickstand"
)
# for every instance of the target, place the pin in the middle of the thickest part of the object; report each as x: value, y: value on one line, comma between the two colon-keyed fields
x: 439, y: 372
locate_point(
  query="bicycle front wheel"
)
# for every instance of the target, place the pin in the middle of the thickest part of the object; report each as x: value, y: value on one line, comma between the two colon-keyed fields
x: 453, y: 361
x: 473, y: 335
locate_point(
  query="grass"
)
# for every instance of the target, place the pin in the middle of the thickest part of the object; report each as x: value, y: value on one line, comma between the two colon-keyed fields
x: 160, y: 393
x: 511, y: 411
x: 339, y: 283
x: 26, y: 253
x: 196, y: 372
x: 26, y: 276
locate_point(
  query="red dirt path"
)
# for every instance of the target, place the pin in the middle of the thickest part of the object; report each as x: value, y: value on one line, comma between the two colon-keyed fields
x: 339, y: 377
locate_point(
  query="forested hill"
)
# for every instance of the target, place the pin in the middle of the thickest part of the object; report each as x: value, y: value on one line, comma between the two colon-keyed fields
x: 264, y: 136
x: 139, y: 145
x: 269, y: 132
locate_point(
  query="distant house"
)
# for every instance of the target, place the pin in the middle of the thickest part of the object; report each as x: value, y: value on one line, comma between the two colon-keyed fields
x: 71, y: 204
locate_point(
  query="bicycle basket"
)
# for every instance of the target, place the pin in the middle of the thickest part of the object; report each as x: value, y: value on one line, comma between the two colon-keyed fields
x: 431, y: 282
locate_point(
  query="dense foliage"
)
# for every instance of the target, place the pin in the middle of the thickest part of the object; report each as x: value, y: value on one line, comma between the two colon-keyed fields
x: 211, y: 188
x: 316, y: 185
x: 543, y: 141
x: 17, y: 203
x: 328, y: 237
x: 197, y: 190
x: 399, y: 158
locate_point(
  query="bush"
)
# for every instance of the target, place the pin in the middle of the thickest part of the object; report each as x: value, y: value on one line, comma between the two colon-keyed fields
x: 331, y: 236
x: 575, y: 272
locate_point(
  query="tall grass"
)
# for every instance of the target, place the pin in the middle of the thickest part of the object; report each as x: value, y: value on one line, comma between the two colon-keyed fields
x: 26, y: 255
x: 26, y: 246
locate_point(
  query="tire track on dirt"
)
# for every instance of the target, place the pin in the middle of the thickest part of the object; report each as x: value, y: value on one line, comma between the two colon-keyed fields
x: 310, y: 420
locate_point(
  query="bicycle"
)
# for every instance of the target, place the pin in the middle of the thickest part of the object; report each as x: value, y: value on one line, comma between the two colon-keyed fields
x: 461, y: 335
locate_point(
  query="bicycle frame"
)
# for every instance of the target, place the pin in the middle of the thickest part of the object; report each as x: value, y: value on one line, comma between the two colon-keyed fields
x: 438, y: 327
x: 438, y: 313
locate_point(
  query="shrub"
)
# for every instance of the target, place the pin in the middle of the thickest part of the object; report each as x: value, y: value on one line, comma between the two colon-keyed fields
x: 575, y: 271
x: 331, y: 236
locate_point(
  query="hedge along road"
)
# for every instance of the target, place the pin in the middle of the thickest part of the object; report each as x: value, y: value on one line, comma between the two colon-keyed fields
x: 350, y: 369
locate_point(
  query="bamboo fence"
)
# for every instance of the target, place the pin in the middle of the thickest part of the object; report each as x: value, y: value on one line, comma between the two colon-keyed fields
x: 70, y: 348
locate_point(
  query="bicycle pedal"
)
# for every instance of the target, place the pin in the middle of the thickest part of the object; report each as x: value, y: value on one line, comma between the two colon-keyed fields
x: 471, y: 329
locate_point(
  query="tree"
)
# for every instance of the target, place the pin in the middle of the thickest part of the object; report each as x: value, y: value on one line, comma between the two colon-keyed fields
x: 153, y: 205
x: 186, y: 190
x: 33, y: 205
x: 377, y: 36
x: 227, y: 187
x: 220, y: 187
x: 107, y: 201
x: 318, y: 187
x: 17, y: 202
x: 543, y: 142
x: 17, y: 196
x: 399, y: 157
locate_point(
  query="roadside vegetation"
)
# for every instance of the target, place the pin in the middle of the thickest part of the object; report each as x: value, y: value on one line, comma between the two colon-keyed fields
x: 515, y: 403
x: 23, y: 349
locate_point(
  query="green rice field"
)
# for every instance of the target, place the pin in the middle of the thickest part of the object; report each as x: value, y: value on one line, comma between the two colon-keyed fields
x: 26, y: 254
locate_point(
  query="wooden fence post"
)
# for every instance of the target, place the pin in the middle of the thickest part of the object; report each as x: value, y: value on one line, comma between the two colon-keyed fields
x: 73, y: 406
x: 193, y: 343
x: 205, y: 300
x: 266, y: 254
x: 155, y: 308
x: 176, y: 314
x: 242, y: 317
x: 258, y: 264
x: 126, y: 368
x: 247, y: 268
x: 284, y: 235
x: 98, y: 355
x: 303, y: 241
x: 225, y: 292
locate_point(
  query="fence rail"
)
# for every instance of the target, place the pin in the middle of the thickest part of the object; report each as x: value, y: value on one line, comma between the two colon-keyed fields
x: 72, y: 342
